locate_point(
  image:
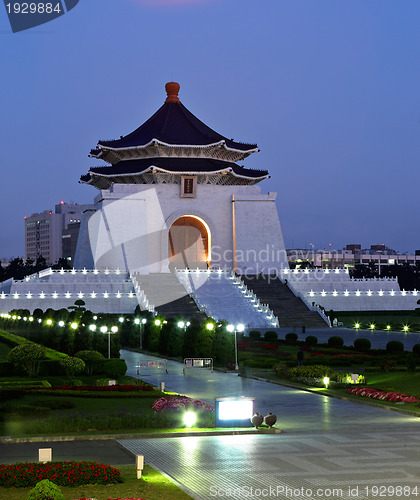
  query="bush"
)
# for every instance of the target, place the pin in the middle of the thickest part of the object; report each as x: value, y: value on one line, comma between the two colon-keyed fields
x: 93, y: 360
x: 254, y: 335
x: 311, y: 340
x: 314, y: 371
x: 362, y: 345
x: 270, y: 336
x: 394, y: 346
x: 335, y: 342
x: 72, y: 366
x: 45, y: 490
x: 282, y: 371
x: 291, y: 338
x: 27, y: 356
x: 416, y: 349
x: 115, y: 368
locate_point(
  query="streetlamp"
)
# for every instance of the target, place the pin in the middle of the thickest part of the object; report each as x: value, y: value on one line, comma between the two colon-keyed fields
x: 238, y: 328
x: 141, y: 322
x: 104, y: 329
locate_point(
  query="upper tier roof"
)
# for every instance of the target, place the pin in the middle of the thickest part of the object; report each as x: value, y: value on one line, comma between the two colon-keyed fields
x: 173, y: 125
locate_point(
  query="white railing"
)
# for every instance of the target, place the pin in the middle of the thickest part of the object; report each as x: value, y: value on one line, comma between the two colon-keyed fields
x: 141, y: 295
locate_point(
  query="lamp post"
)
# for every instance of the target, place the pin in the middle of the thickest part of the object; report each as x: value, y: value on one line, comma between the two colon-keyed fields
x: 141, y: 323
x: 104, y: 329
x: 238, y: 328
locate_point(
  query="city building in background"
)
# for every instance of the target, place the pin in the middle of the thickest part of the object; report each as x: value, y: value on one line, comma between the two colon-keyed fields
x: 349, y: 257
x: 44, y: 232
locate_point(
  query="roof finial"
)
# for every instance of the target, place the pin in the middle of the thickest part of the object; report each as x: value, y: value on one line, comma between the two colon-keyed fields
x: 172, y: 89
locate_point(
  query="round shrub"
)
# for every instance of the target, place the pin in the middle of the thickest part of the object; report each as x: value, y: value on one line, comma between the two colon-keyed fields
x: 362, y: 345
x: 311, y: 340
x: 115, y: 368
x: 45, y: 490
x: 270, y: 336
x: 93, y: 360
x: 291, y: 337
x: 72, y: 366
x: 394, y: 346
x: 335, y: 342
x: 416, y: 349
x: 254, y: 335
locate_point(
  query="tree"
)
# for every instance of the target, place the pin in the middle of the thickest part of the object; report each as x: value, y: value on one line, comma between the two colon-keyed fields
x: 27, y: 356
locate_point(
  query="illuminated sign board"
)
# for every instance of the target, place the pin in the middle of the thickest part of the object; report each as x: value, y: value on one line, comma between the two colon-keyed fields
x: 234, y: 412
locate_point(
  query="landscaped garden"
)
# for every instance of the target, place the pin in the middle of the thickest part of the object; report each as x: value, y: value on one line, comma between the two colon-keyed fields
x: 385, y: 376
x: 56, y: 379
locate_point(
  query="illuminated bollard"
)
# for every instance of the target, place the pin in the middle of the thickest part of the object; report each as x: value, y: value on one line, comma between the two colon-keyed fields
x: 162, y: 386
x: 139, y: 465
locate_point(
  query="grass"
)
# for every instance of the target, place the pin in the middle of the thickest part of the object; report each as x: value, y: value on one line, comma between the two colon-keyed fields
x: 394, y: 318
x: 152, y: 486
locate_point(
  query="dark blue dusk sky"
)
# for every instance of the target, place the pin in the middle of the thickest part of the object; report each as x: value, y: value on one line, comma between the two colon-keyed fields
x: 328, y: 89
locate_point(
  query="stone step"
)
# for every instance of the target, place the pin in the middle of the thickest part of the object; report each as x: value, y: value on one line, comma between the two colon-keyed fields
x: 289, y: 309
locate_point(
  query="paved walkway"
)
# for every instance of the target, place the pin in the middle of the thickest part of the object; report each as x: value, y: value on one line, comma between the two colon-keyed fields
x: 328, y: 444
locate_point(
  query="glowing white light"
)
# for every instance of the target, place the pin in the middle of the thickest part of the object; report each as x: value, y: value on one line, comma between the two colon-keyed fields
x: 93, y: 295
x: 190, y: 418
x: 114, y: 329
x: 236, y: 410
x: 68, y: 295
x: 80, y: 295
x: 92, y: 328
x: 104, y: 329
x: 61, y: 323
x: 55, y: 295
x: 74, y: 326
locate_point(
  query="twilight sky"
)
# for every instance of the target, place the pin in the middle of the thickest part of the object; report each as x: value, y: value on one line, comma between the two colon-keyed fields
x: 328, y: 89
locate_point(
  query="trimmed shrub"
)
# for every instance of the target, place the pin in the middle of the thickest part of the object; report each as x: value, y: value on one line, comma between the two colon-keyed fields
x: 93, y: 360
x: 254, y: 335
x: 362, y: 345
x: 270, y: 336
x: 27, y: 356
x: 416, y: 349
x: 72, y: 366
x: 335, y: 342
x: 291, y: 337
x: 394, y: 346
x: 115, y: 368
x: 45, y: 490
x: 314, y: 371
x: 311, y: 340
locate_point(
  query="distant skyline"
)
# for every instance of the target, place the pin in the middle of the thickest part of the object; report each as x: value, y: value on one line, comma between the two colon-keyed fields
x: 328, y: 90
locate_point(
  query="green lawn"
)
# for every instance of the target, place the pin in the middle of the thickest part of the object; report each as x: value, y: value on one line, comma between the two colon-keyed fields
x: 152, y: 486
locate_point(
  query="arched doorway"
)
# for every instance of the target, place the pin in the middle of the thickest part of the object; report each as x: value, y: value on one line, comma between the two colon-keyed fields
x: 189, y: 243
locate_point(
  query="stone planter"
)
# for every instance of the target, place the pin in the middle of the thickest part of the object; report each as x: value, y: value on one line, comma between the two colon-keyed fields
x: 270, y: 420
x: 257, y: 419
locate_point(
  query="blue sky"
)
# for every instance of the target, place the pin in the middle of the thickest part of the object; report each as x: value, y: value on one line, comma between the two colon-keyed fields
x: 328, y: 89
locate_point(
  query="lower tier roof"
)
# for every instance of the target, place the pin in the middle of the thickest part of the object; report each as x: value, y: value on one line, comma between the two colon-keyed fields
x: 134, y: 171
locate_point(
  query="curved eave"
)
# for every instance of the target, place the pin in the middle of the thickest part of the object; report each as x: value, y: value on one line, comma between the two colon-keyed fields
x: 98, y: 153
x: 89, y: 177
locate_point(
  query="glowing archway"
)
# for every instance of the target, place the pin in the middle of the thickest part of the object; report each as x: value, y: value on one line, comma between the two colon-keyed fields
x: 189, y: 242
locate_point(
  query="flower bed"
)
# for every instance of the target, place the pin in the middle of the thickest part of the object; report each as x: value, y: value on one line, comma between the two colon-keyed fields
x: 395, y: 397
x: 61, y: 473
x: 178, y: 403
x: 95, y: 388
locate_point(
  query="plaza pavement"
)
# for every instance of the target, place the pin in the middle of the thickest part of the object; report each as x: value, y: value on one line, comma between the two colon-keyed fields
x: 329, y: 448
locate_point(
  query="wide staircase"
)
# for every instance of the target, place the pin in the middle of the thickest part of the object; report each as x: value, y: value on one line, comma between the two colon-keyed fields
x: 289, y: 309
x: 222, y: 295
x: 168, y: 297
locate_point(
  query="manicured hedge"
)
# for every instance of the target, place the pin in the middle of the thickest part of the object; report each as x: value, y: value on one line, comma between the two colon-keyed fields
x: 27, y: 474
